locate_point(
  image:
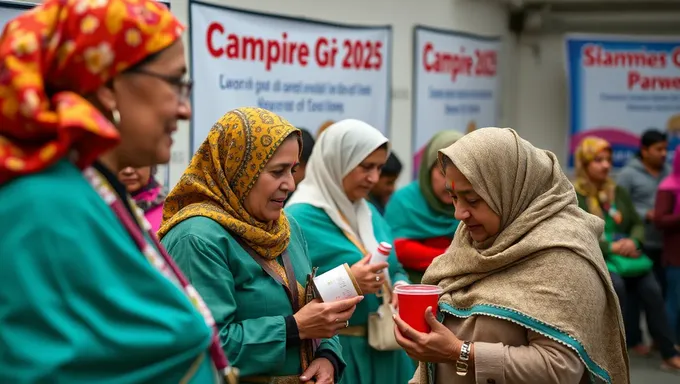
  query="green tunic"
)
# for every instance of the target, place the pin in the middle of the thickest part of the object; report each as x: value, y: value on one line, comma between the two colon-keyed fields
x: 79, y: 302
x: 248, y: 305
x: 329, y: 248
x: 631, y: 226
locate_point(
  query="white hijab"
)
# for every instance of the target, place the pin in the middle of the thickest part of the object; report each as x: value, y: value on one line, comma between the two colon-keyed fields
x: 340, y: 149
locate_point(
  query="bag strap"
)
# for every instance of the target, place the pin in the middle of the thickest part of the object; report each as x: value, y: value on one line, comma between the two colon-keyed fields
x: 292, y: 287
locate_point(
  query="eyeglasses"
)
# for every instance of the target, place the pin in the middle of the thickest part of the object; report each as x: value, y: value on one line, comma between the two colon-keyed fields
x: 182, y: 84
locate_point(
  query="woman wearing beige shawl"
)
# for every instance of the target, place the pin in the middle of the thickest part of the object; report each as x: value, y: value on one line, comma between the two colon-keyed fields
x: 526, y: 289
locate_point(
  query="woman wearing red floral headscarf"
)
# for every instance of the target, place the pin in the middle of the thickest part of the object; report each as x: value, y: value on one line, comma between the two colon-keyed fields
x: 88, y: 87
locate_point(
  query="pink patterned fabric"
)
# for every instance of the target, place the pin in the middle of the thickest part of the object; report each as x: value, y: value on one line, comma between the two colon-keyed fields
x: 672, y: 182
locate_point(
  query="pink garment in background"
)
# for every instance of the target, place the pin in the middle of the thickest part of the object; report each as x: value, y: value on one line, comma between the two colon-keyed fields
x: 150, y: 199
x: 672, y: 182
x: 155, y: 217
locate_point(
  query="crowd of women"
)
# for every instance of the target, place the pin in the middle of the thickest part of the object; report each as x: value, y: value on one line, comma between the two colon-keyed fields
x: 90, y: 94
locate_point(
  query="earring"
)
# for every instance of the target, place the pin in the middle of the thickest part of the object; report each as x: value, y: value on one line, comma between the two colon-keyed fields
x: 116, y: 117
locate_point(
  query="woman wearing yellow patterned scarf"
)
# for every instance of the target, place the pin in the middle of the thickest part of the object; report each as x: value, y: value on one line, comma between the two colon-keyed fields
x: 87, y: 88
x: 621, y: 243
x: 224, y: 226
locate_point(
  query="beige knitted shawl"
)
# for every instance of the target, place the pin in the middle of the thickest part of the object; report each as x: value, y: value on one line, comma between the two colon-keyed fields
x: 544, y: 270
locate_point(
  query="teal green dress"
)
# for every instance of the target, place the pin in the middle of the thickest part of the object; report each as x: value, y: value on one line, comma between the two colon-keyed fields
x: 79, y: 302
x: 329, y: 248
x: 248, y: 305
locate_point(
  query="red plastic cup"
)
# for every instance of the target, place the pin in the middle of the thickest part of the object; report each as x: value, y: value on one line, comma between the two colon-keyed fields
x: 414, y: 300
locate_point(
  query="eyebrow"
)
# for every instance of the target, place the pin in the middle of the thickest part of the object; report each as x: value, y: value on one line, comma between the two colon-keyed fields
x: 460, y: 191
x: 283, y: 164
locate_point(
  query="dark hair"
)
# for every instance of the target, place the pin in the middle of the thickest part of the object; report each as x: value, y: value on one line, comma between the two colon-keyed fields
x: 146, y: 60
x: 392, y: 166
x: 651, y: 137
x: 307, y: 145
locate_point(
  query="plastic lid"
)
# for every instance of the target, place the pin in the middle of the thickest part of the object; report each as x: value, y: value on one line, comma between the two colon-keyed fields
x: 384, y: 248
x: 418, y: 289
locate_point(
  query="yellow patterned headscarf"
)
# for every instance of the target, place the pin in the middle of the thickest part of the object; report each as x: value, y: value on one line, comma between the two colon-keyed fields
x: 222, y: 173
x: 585, y: 153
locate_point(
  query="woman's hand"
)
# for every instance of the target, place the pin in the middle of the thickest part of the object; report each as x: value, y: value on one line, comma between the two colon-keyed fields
x: 625, y: 247
x: 318, y: 320
x: 438, y: 346
x: 395, y: 297
x: 369, y: 276
x: 320, y: 370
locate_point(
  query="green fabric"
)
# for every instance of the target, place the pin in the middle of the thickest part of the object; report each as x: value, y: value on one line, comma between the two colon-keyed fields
x: 439, y: 141
x: 79, y: 302
x: 630, y: 227
x: 411, y: 217
x: 329, y: 248
x: 248, y: 305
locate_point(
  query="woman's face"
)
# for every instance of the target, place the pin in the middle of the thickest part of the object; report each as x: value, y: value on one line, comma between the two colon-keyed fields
x: 598, y: 169
x: 439, y: 185
x: 359, y: 182
x: 482, y: 222
x: 151, y: 100
x: 265, y: 200
x: 134, y: 178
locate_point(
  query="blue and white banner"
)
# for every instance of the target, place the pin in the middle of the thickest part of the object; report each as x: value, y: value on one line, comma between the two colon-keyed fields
x: 307, y: 71
x: 456, y: 84
x: 621, y: 86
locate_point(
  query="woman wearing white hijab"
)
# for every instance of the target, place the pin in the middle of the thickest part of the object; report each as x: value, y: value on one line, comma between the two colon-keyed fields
x: 341, y: 227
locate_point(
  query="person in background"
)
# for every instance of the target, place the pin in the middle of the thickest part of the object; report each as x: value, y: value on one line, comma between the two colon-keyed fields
x: 146, y: 192
x: 421, y: 214
x: 640, y: 178
x: 323, y: 127
x: 341, y: 227
x: 667, y: 220
x: 384, y: 188
x: 225, y: 226
x: 88, y: 294
x: 528, y: 306
x: 623, y: 242
x: 307, y: 146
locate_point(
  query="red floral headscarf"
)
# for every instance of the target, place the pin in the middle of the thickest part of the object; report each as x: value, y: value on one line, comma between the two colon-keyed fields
x: 52, y: 55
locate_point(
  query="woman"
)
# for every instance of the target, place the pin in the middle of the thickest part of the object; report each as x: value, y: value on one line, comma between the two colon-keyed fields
x: 87, y: 297
x: 527, y: 297
x: 146, y: 192
x: 223, y: 223
x: 667, y: 219
x: 622, y: 241
x: 341, y: 227
x: 421, y: 214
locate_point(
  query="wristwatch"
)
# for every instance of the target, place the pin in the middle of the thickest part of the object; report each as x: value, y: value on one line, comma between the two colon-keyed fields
x: 462, y: 362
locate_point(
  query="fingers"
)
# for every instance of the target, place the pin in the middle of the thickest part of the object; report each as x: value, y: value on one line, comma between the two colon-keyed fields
x: 377, y: 266
x: 431, y: 319
x: 365, y: 260
x: 402, y: 340
x: 310, y: 372
x: 344, y: 305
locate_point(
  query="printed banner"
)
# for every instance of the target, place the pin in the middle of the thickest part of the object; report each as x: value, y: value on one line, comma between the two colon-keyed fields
x: 621, y: 86
x: 308, y: 72
x: 456, y: 85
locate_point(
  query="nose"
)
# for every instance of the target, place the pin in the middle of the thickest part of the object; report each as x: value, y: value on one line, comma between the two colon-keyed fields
x: 184, y: 109
x: 288, y: 185
x: 374, y: 175
x: 128, y: 171
x: 461, y: 214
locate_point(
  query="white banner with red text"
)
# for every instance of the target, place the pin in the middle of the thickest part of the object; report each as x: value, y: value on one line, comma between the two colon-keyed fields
x: 620, y: 86
x: 306, y: 71
x: 456, y: 84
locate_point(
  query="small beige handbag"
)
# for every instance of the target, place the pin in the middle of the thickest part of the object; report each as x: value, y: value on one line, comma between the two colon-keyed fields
x: 381, y: 324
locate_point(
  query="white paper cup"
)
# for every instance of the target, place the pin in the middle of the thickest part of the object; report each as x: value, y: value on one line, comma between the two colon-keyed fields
x: 336, y: 284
